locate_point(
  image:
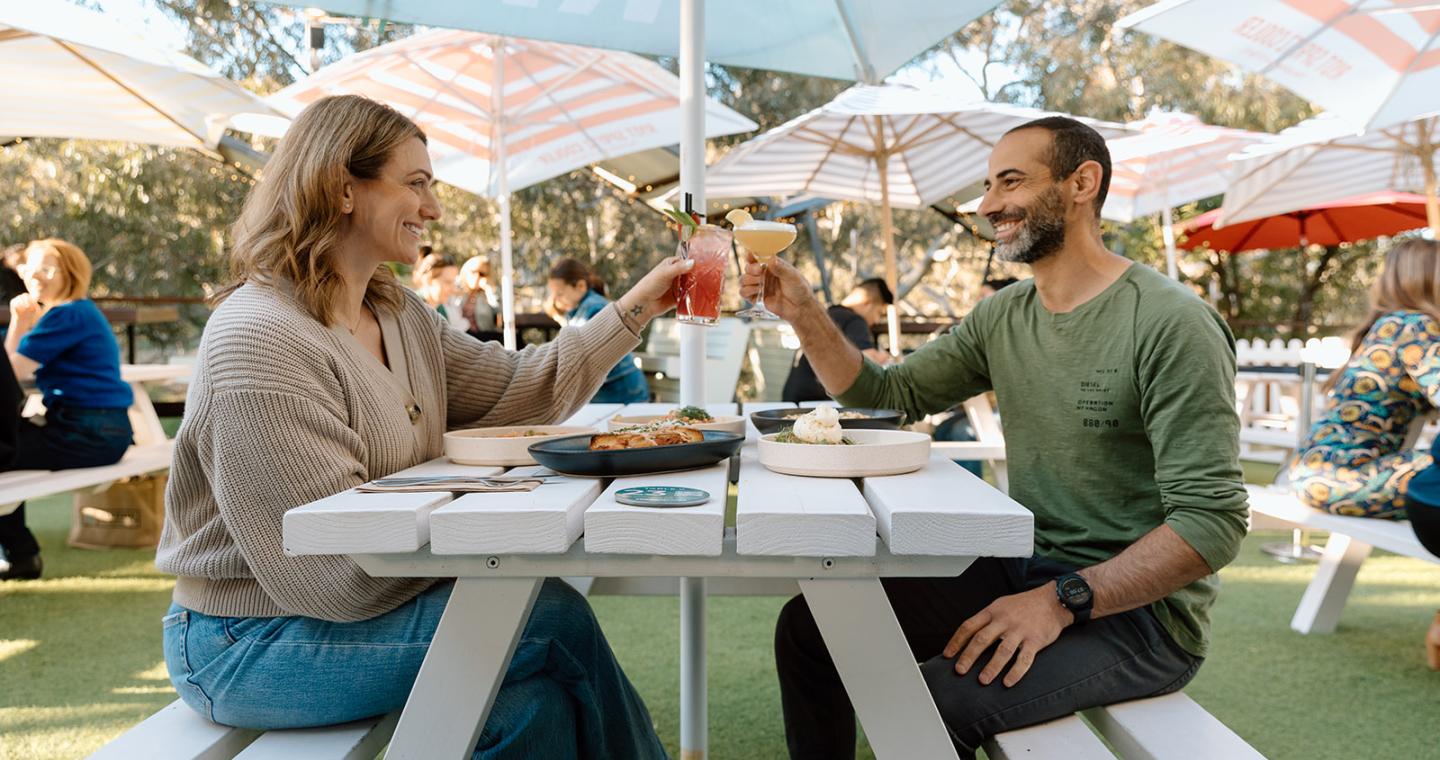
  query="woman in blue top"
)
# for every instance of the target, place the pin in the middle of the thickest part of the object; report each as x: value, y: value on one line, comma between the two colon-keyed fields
x: 577, y: 295
x: 59, y: 339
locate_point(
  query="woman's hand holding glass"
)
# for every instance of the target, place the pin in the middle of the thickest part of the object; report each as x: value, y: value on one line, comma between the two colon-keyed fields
x: 653, y: 295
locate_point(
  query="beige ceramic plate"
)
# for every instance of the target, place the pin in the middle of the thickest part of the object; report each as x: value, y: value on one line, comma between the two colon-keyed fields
x: 874, y: 453
x: 725, y: 424
x: 499, y: 447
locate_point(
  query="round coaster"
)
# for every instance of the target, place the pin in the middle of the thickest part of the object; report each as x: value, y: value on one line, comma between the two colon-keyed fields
x: 662, y: 496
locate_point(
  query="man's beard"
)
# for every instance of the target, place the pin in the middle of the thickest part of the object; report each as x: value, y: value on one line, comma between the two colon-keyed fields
x: 1041, y: 232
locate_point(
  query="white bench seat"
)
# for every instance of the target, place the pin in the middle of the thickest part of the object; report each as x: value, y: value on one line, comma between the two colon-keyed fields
x: 1171, y: 727
x: 23, y: 485
x: 177, y: 732
x: 1066, y: 737
x: 1350, y: 542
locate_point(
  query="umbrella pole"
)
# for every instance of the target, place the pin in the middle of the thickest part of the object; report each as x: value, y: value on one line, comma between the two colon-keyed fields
x: 694, y: 727
x: 1167, y: 230
x: 507, y: 260
x: 887, y: 231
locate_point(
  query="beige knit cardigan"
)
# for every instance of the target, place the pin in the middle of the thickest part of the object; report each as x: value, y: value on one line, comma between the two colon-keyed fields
x: 283, y: 411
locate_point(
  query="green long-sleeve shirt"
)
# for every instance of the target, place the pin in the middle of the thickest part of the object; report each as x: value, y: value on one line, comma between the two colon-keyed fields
x: 1119, y: 417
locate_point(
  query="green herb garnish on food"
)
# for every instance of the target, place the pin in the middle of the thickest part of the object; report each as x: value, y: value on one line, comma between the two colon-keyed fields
x: 788, y: 436
x: 691, y: 414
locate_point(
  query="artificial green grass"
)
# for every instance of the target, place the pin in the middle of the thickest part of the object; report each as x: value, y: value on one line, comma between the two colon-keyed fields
x: 80, y: 658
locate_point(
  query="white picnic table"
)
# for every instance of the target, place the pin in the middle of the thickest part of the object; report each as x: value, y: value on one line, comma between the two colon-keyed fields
x: 835, y: 538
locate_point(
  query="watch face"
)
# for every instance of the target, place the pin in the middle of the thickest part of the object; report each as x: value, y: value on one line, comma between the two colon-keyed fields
x: 1075, y: 592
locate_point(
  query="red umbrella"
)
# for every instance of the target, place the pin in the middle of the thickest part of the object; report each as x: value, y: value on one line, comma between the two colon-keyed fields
x: 1360, y: 217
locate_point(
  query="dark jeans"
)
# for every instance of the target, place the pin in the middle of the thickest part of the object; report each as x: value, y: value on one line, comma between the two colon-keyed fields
x: 1107, y: 660
x: 71, y: 437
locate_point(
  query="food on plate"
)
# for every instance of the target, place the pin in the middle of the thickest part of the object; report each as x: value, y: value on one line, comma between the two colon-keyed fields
x: 690, y: 414
x: 788, y: 436
x: 645, y: 436
x: 820, y: 426
x: 843, y: 415
x: 522, y: 434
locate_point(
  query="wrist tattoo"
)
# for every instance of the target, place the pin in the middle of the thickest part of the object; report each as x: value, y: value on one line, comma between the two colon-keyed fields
x: 637, y: 310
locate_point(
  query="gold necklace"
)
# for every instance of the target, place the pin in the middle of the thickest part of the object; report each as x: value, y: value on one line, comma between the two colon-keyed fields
x: 358, y: 320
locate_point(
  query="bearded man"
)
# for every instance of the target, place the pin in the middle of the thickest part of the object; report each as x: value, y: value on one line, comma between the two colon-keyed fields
x: 1116, y: 385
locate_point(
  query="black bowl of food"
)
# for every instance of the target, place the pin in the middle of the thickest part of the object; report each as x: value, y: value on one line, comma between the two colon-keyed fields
x: 619, y: 453
x: 851, y: 418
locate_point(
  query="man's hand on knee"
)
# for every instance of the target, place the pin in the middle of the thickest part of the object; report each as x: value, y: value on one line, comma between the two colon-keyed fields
x: 1022, y: 624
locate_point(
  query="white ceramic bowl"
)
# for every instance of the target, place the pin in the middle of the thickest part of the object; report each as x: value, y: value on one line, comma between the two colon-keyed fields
x: 874, y: 453
x: 725, y: 424
x: 489, y: 446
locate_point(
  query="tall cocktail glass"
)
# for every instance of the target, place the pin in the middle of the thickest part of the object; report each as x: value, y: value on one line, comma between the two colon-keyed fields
x: 697, y: 292
x: 764, y: 240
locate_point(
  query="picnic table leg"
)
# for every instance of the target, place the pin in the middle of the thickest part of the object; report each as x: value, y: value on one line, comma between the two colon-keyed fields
x: 144, y: 420
x: 880, y: 674
x: 463, y: 669
x: 1324, y: 598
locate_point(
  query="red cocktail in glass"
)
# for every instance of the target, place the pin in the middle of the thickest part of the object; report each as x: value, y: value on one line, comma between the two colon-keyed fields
x: 697, y: 292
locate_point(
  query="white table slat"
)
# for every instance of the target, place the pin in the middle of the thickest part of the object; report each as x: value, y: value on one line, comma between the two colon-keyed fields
x: 943, y: 509
x: 613, y: 528
x: 546, y: 520
x: 351, y: 522
x: 788, y: 515
x: 751, y: 433
x: 593, y: 415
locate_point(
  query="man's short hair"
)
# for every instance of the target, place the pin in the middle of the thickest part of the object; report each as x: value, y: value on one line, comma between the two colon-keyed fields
x: 878, y: 290
x: 1071, y: 144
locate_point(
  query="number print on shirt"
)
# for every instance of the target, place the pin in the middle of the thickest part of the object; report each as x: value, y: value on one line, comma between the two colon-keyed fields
x: 1095, y: 398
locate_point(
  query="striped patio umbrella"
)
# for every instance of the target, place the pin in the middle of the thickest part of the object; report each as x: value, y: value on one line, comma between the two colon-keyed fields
x: 74, y: 73
x: 895, y: 145
x: 1373, y: 63
x: 1324, y: 159
x: 503, y: 113
x: 1175, y: 159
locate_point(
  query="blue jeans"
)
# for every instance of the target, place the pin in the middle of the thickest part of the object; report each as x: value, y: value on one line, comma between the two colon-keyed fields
x: 564, y: 695
x: 70, y: 437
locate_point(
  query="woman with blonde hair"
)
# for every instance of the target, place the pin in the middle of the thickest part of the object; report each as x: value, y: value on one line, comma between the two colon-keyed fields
x: 59, y: 338
x: 1356, y: 460
x: 319, y: 372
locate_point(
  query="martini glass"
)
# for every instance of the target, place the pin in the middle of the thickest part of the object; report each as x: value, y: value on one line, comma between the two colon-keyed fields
x: 764, y: 240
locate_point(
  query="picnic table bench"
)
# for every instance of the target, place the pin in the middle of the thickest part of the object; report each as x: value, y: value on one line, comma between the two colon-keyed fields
x: 150, y: 453
x: 1351, y: 540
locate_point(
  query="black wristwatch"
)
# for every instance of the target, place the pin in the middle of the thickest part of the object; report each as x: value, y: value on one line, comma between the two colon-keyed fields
x: 1074, y: 593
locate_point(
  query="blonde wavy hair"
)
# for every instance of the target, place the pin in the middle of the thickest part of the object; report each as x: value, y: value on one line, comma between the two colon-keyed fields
x: 289, y: 228
x: 73, y: 265
x: 1410, y: 281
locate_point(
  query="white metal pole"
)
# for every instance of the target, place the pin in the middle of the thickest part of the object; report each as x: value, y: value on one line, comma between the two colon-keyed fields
x: 694, y: 726
x: 497, y: 149
x: 1167, y: 230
